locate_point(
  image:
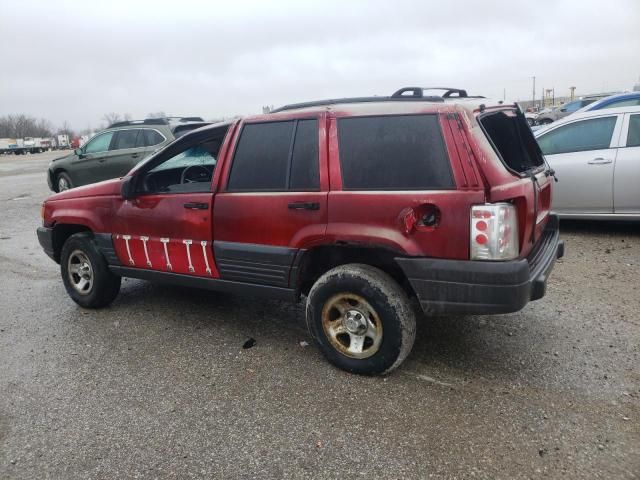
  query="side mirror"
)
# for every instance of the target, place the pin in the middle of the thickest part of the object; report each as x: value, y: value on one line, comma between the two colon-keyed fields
x: 563, y: 109
x: 127, y: 190
x: 79, y: 152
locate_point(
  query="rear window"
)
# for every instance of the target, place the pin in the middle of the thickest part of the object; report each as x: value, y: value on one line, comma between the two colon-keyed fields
x: 512, y: 140
x: 397, y: 152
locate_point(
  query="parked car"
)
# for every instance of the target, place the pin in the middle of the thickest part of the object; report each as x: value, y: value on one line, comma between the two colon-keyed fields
x: 357, y: 204
x: 596, y: 156
x: 629, y: 99
x: 114, y: 151
x: 550, y: 115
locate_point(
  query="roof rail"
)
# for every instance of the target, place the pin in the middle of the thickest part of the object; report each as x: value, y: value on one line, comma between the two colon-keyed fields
x: 417, y: 94
x: 156, y: 121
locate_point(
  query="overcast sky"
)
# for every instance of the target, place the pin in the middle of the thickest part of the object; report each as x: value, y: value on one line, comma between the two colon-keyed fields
x: 78, y: 60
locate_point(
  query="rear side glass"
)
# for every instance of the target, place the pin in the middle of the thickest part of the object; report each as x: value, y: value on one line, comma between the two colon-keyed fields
x: 399, y: 152
x: 305, y: 174
x: 633, y: 137
x: 151, y: 138
x: 124, y: 139
x: 261, y: 159
x: 592, y: 134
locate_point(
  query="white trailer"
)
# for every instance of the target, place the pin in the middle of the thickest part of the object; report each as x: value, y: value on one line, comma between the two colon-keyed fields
x: 12, y: 145
x: 37, y: 145
x: 62, y: 142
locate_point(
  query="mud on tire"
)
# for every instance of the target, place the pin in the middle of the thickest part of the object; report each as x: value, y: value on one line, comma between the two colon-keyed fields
x: 361, y: 319
x: 85, y: 273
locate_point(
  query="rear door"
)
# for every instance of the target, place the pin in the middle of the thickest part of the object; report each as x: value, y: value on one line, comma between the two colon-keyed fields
x: 273, y: 201
x: 626, y: 177
x: 583, y: 154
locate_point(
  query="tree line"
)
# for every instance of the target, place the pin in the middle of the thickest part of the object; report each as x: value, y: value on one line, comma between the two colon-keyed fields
x: 20, y: 126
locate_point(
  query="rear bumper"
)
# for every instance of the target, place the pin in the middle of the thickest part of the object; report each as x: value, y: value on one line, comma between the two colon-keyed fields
x: 45, y: 237
x: 479, y: 287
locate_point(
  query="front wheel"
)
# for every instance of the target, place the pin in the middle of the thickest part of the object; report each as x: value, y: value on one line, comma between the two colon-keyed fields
x: 361, y: 319
x: 63, y: 182
x: 85, y: 273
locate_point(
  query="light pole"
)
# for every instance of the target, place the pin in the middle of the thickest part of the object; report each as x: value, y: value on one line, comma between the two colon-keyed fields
x: 533, y: 94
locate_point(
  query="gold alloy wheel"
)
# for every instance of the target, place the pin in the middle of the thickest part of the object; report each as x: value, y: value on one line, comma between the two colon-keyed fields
x: 352, y: 325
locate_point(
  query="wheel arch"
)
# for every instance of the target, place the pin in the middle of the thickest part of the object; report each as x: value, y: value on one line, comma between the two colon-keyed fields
x: 318, y: 260
x: 61, y: 232
x: 54, y: 176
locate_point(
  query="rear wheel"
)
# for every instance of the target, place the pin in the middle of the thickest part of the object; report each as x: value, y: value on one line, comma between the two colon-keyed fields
x: 63, y: 182
x: 85, y: 273
x: 361, y: 319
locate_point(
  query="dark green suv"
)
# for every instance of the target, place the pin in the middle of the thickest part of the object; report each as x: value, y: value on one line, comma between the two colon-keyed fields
x: 116, y: 150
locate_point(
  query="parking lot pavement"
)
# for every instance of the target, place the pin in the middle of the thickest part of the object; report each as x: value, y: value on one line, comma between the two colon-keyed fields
x: 159, y: 386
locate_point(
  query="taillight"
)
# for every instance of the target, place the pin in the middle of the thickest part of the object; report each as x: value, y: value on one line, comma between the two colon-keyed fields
x: 494, y: 232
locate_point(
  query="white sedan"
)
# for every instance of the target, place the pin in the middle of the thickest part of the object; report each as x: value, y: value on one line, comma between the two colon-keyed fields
x: 596, y: 157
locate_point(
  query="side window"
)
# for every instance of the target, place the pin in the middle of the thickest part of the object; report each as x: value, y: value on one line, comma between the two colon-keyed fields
x: 624, y: 103
x: 124, y: 139
x: 592, y: 134
x: 151, y: 138
x: 189, y: 170
x: 573, y: 106
x: 269, y: 158
x: 305, y: 174
x: 398, y: 152
x: 100, y: 143
x: 633, y: 137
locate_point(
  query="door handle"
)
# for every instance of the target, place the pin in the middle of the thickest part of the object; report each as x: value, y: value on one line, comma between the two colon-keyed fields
x: 196, y: 206
x: 600, y: 161
x: 304, y: 206
x: 135, y: 155
x: 102, y: 160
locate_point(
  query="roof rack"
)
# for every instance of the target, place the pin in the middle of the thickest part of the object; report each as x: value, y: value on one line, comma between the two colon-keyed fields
x: 416, y: 94
x: 156, y: 121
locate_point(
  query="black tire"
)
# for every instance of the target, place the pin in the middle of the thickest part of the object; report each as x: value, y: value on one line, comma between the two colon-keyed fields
x: 391, y: 308
x: 104, y: 285
x: 545, y: 121
x: 64, y: 177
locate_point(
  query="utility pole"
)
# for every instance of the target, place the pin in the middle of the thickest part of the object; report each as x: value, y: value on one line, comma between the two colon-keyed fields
x: 533, y: 95
x: 573, y: 92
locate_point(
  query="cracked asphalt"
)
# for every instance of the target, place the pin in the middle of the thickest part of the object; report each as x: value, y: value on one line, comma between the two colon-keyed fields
x: 159, y: 386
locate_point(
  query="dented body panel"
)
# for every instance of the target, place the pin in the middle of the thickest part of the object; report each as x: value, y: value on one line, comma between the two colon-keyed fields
x: 263, y: 237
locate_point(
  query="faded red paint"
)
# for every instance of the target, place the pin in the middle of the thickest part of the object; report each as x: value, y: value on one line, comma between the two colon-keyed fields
x: 354, y: 217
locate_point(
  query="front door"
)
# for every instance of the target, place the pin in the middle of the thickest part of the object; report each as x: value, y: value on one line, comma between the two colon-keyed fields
x: 583, y: 154
x: 626, y: 179
x: 87, y: 165
x: 168, y: 225
x: 274, y: 200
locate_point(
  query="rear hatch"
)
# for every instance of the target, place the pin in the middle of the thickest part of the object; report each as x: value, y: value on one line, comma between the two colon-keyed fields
x: 525, y: 180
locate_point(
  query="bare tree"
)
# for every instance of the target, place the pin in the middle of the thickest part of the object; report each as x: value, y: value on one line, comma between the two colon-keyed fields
x: 159, y: 114
x: 65, y: 129
x: 112, y: 118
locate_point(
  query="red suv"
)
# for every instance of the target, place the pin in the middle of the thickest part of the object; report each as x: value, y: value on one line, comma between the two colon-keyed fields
x: 358, y: 204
